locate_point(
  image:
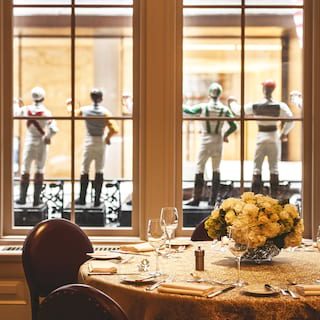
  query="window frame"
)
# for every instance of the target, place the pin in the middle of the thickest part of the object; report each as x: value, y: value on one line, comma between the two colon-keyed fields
x: 157, y: 170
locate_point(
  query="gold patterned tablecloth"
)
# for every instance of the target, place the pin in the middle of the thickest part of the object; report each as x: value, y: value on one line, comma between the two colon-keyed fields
x: 298, y: 266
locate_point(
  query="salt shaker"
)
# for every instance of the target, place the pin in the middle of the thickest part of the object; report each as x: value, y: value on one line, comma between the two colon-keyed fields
x: 199, y: 256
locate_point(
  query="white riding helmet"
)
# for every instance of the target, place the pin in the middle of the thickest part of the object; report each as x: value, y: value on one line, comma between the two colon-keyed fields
x: 215, y: 90
x: 38, y: 94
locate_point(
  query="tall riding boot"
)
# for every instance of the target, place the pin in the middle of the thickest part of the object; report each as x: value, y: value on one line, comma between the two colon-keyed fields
x: 256, y: 184
x: 214, y: 188
x: 24, y: 184
x: 84, y: 180
x: 98, y: 181
x: 197, y: 191
x: 274, y: 183
x: 38, y: 182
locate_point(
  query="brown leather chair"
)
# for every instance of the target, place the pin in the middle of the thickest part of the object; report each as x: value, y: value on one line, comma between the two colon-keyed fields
x: 80, y: 302
x: 200, y: 233
x: 51, y: 256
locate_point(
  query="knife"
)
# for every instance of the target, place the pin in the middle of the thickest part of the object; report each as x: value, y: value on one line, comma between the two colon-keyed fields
x: 111, y: 273
x: 157, y: 284
x: 216, y: 293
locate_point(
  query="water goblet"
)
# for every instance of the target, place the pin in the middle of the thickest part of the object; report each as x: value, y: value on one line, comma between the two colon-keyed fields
x: 169, y: 221
x: 238, y: 249
x: 156, y: 238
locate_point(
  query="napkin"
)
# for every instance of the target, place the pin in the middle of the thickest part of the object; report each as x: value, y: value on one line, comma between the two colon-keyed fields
x: 186, y: 288
x: 102, y: 266
x: 308, y: 289
x: 140, y: 247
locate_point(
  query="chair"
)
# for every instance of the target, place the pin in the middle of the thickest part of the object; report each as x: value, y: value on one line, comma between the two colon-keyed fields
x: 51, y: 256
x: 80, y: 302
x: 199, y: 233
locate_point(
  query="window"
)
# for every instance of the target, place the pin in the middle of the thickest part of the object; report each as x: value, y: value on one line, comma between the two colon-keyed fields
x: 234, y: 47
x: 156, y: 38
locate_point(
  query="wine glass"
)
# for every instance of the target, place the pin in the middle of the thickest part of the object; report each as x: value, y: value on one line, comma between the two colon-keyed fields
x: 238, y: 249
x: 156, y: 238
x: 169, y: 222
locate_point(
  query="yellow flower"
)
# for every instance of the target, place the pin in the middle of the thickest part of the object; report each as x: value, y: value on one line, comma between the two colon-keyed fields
x: 230, y: 216
x: 257, y: 218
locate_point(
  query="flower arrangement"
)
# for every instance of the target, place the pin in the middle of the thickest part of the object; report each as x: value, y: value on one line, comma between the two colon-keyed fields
x: 259, y: 218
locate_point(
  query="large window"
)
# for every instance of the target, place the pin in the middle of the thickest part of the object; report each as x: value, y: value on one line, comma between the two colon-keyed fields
x: 241, y: 49
x: 163, y: 56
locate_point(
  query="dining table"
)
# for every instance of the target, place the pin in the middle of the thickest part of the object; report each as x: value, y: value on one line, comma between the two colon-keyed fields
x: 290, y: 270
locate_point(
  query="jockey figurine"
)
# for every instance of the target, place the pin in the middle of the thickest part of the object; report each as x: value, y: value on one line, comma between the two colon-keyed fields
x: 94, y: 144
x: 38, y: 137
x: 211, y: 142
x: 296, y: 98
x: 268, y: 140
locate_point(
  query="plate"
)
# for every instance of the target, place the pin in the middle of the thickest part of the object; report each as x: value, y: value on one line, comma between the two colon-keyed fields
x: 258, y: 291
x: 104, y: 255
x: 138, y: 279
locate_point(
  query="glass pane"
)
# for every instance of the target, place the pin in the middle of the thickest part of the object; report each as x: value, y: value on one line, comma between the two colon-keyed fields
x: 41, y: 170
x: 104, y: 2
x: 285, y: 179
x: 103, y: 180
x: 211, y: 2
x: 41, y: 2
x: 212, y: 66
x: 42, y: 58
x: 274, y: 2
x: 273, y: 72
x: 104, y: 52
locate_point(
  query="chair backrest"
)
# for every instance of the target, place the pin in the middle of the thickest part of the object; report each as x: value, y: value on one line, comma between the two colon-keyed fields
x: 51, y: 256
x: 80, y: 302
x: 200, y: 233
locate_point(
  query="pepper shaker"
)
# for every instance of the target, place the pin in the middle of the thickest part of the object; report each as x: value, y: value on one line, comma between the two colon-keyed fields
x: 199, y: 256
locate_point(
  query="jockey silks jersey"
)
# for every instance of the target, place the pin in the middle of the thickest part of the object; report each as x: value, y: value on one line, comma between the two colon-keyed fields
x: 96, y: 127
x: 269, y: 108
x: 38, y: 128
x: 212, y: 109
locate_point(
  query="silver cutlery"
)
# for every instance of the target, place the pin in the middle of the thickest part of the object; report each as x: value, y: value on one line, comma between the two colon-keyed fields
x: 112, y: 273
x: 208, y: 281
x: 216, y: 293
x: 270, y: 287
x: 292, y: 294
x: 130, y: 252
x: 126, y: 260
x: 157, y: 284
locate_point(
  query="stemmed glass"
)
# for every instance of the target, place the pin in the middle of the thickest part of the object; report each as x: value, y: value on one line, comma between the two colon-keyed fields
x: 169, y: 222
x: 238, y: 250
x: 156, y: 238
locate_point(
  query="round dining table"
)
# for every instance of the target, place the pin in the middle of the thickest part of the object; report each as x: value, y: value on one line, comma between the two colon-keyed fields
x: 288, y: 270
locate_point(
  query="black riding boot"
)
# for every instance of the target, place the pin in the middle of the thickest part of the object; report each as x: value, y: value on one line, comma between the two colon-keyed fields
x: 274, y: 183
x: 98, y: 181
x: 84, y: 180
x: 256, y: 184
x: 214, y: 188
x: 197, y: 191
x: 24, y: 184
x: 38, y: 182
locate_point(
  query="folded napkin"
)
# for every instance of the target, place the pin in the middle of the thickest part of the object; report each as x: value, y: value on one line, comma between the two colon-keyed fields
x: 194, y: 289
x: 308, y: 289
x: 102, y: 266
x: 140, y: 247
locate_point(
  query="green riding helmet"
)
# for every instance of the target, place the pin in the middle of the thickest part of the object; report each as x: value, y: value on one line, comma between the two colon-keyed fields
x: 215, y: 90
